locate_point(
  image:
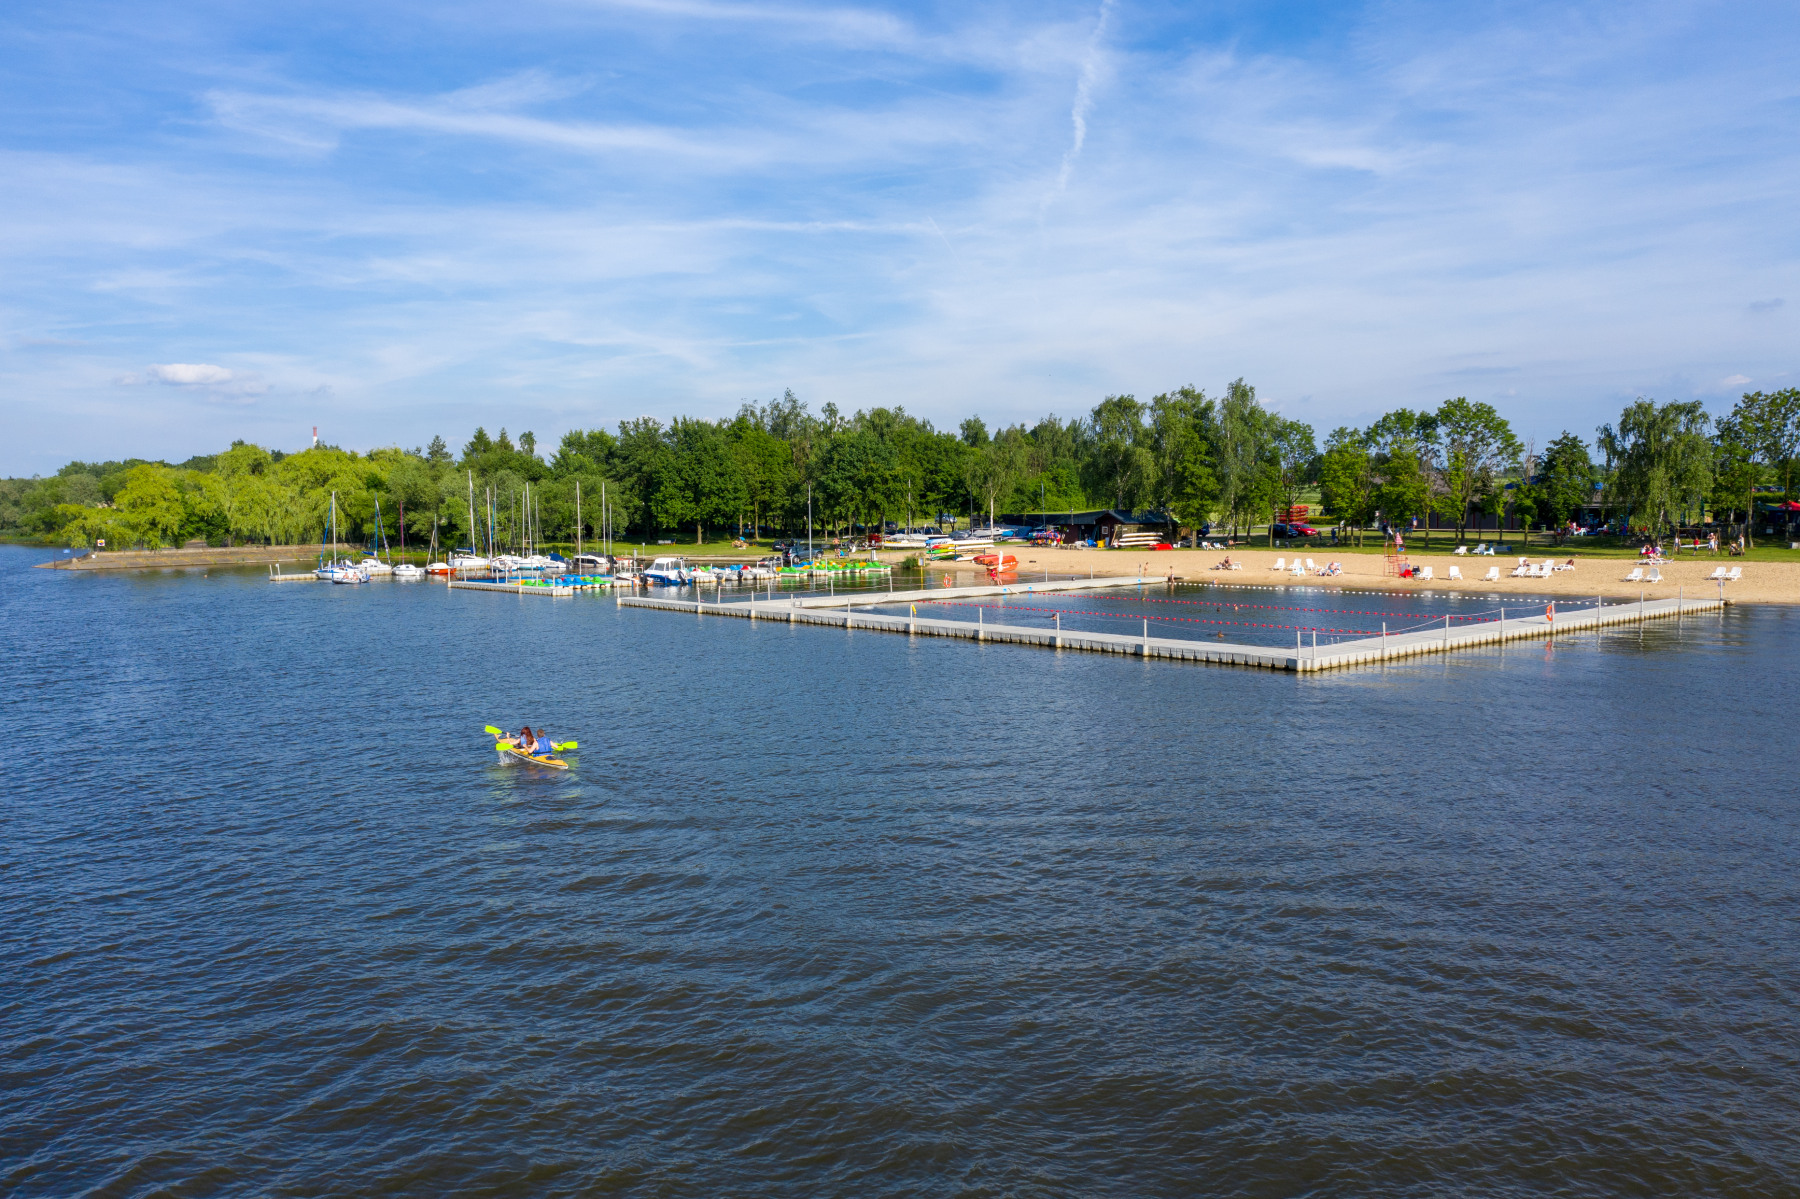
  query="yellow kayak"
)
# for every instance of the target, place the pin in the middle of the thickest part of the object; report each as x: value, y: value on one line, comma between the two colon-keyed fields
x: 540, y: 760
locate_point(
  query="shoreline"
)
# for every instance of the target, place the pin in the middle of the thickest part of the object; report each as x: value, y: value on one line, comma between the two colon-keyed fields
x: 1763, y: 582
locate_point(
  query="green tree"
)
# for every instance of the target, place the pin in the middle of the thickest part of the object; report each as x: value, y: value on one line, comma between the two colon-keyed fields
x: 1347, y: 478
x: 1121, y: 467
x: 1293, y: 459
x: 1241, y: 454
x: 1402, y: 445
x: 1180, y: 433
x: 1736, y: 471
x: 1478, y: 444
x: 1565, y: 478
x: 1665, y: 459
x: 990, y: 469
x: 151, y: 506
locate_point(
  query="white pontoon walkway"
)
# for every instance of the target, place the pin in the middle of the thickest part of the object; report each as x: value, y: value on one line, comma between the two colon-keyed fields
x: 839, y: 612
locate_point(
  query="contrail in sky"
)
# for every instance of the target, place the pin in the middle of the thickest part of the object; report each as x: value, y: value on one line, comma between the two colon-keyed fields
x: 1084, y: 86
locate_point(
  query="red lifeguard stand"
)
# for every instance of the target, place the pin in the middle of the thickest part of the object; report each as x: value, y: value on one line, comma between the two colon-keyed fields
x: 1395, y: 558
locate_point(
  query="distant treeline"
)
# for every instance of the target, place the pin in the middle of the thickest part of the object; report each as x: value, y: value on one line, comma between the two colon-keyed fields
x: 1225, y: 460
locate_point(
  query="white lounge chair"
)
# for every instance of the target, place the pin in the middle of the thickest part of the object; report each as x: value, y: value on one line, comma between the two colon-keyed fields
x: 1655, y: 576
x: 1456, y: 573
x: 1517, y: 572
x: 1459, y: 551
x: 1636, y: 575
x: 1717, y: 576
x: 1280, y: 564
x: 1425, y: 573
x: 1296, y: 569
x: 1492, y: 576
x: 1309, y: 565
x: 1737, y: 572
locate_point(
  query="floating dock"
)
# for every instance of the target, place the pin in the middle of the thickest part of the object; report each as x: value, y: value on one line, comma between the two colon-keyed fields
x: 840, y: 612
x: 510, y: 588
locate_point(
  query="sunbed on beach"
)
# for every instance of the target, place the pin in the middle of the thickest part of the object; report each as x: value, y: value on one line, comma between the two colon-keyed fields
x: 1456, y: 573
x: 1492, y: 576
x: 1636, y: 575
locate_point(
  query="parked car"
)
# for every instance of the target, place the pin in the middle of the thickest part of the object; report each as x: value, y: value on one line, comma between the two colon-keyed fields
x: 1293, y: 530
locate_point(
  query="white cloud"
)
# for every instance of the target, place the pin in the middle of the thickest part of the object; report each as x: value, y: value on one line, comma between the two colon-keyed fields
x: 189, y: 374
x: 206, y: 380
x: 1734, y: 381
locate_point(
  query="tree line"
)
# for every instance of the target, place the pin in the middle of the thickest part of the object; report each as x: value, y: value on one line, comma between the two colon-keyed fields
x: 1225, y: 460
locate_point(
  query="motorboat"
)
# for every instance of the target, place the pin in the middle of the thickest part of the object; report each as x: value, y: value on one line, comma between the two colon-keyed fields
x: 375, y: 568
x: 437, y: 568
x: 349, y: 574
x: 406, y: 570
x: 596, y: 564
x: 465, y: 561
x: 669, y: 572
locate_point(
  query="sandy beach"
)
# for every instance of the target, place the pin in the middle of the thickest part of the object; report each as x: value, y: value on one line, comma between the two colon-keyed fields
x: 1763, y: 582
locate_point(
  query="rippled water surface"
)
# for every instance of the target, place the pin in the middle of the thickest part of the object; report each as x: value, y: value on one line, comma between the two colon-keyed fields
x: 845, y: 913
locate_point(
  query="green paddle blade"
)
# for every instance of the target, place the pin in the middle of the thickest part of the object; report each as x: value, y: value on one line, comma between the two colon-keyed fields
x: 496, y: 732
x: 562, y: 745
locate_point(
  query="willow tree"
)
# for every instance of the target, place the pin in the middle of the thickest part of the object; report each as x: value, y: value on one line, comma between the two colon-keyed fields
x: 1240, y: 454
x: 1665, y: 459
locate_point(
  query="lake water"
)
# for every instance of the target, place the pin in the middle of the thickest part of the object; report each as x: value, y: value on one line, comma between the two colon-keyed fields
x: 849, y: 913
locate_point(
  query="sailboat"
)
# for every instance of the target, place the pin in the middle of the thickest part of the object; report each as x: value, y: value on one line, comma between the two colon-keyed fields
x: 338, y: 570
x: 467, y: 559
x: 372, y: 565
x: 432, y: 564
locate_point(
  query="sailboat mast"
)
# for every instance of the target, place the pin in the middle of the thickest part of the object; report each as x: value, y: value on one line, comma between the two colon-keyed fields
x: 471, y: 512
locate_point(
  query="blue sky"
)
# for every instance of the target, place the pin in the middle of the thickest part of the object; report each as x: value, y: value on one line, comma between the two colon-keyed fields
x: 230, y: 220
